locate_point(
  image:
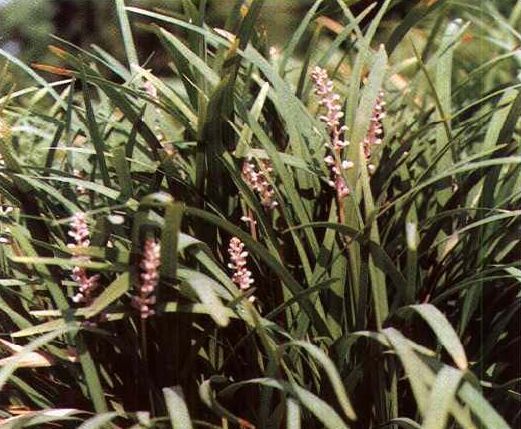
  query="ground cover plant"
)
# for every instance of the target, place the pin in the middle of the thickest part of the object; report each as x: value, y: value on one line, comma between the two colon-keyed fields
x: 318, y: 235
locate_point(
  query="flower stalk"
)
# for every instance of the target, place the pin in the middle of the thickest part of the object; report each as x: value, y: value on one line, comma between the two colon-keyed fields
x: 87, y: 284
x: 375, y: 133
x: 335, y: 146
x: 258, y: 181
x: 242, y: 276
x: 149, y: 265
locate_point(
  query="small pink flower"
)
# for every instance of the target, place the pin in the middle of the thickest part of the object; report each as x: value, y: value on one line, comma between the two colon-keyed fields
x: 87, y: 284
x: 331, y: 101
x: 238, y: 263
x: 150, y: 89
x: 249, y: 220
x: 80, y: 174
x: 149, y: 279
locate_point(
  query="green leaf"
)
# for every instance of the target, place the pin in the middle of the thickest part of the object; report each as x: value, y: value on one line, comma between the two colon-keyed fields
x: 122, y: 171
x: 293, y: 420
x: 444, y: 332
x: 481, y: 408
x: 414, y: 367
x: 41, y: 418
x: 204, y: 287
x: 174, y: 44
x: 177, y: 409
x: 321, y: 409
x: 332, y: 373
x: 413, y: 18
x: 170, y: 239
x: 297, y: 35
x: 126, y: 32
x: 94, y: 132
x: 45, y: 339
x: 443, y: 393
x: 99, y: 421
x: 404, y: 423
x: 109, y: 295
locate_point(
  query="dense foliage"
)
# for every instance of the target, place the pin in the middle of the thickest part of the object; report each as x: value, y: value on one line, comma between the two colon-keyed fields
x: 266, y: 240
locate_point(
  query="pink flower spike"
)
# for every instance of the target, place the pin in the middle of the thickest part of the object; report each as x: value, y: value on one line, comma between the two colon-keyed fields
x: 331, y: 101
x: 242, y: 277
x: 258, y: 181
x: 149, y: 278
x: 376, y: 130
x: 87, y: 284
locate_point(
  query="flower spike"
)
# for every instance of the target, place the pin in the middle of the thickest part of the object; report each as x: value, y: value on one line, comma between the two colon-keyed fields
x: 238, y: 263
x: 149, y: 278
x: 87, y: 284
x: 331, y: 101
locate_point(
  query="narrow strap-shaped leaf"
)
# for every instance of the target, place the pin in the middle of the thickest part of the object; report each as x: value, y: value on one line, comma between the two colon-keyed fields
x: 421, y: 377
x: 481, y: 408
x: 297, y: 35
x: 413, y: 17
x: 126, y: 32
x: 444, y: 332
x: 443, y: 91
x: 442, y: 394
x: 118, y: 68
x: 207, y: 395
x: 203, y: 286
x: 91, y: 375
x: 332, y: 373
x: 173, y: 44
x: 177, y: 409
x: 404, y: 423
x: 321, y: 409
x: 40, y: 80
x: 23, y: 236
x: 109, y: 295
x: 94, y: 132
x: 293, y: 419
x: 34, y: 345
x: 411, y: 236
x: 170, y: 239
x: 414, y: 367
x: 363, y: 54
x: 48, y: 417
x: 120, y: 164
x: 99, y: 421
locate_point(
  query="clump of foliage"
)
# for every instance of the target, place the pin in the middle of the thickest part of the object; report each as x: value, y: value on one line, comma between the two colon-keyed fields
x: 265, y: 241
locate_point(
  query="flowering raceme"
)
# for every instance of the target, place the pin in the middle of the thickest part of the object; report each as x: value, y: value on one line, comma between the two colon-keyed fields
x: 87, y: 284
x: 258, y: 181
x: 238, y: 260
x: 374, y: 135
x: 330, y: 100
x: 149, y: 278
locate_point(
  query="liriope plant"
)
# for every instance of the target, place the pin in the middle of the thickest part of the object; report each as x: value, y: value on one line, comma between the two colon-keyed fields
x: 304, y: 238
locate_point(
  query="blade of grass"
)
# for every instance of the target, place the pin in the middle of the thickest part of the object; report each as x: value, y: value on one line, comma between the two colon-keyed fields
x: 126, y: 33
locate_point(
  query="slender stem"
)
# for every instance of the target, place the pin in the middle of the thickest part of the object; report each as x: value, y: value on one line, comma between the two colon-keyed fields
x: 341, y: 209
x: 144, y: 350
x: 253, y: 228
